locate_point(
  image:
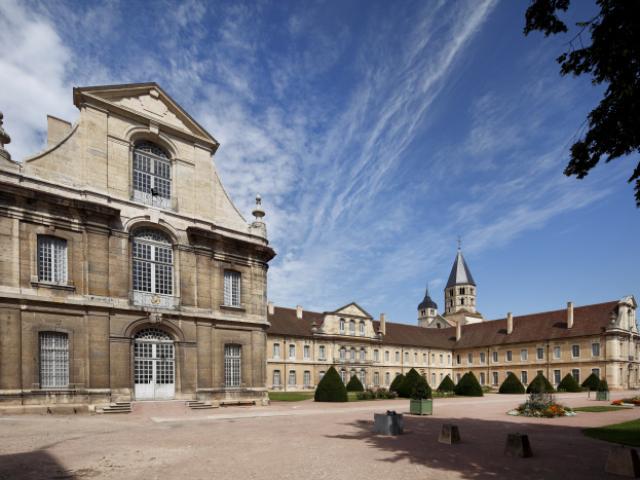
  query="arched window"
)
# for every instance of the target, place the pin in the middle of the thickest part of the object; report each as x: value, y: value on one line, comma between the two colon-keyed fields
x: 152, y: 262
x: 151, y: 175
x: 342, y: 325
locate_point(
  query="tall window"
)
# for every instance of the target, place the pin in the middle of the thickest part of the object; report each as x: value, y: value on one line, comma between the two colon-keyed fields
x: 361, y: 328
x: 343, y: 375
x: 54, y: 360
x: 343, y: 353
x: 276, y: 350
x: 376, y: 379
x: 524, y: 354
x: 387, y: 378
x: 576, y: 374
x: 376, y: 356
x: 152, y: 262
x: 509, y: 356
x: 556, y: 352
x: 386, y: 355
x: 232, y: 360
x: 151, y: 175
x: 321, y: 352
x: 524, y: 377
x: 481, y: 357
x: 52, y: 259
x: 276, y: 378
x: 575, y: 350
x: 292, y: 377
x: 482, y: 379
x: 540, y: 353
x: 353, y: 355
x: 232, y: 288
x: 352, y: 327
x: 495, y: 357
x: 306, y: 352
x: 495, y: 378
x: 306, y: 378
x: 292, y: 351
x: 397, y: 356
x: 595, y: 349
x: 363, y: 354
x: 556, y: 377
x: 470, y: 358
x: 342, y: 325
x: 406, y: 357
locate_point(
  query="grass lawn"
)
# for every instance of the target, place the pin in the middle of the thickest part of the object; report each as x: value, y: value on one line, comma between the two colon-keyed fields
x: 600, y: 408
x: 627, y: 433
x: 290, y: 396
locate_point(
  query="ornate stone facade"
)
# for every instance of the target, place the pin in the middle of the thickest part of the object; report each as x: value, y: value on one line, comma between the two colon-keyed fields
x: 126, y: 272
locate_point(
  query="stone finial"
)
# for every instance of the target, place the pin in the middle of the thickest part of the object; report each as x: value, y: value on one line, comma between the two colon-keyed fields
x: 258, y: 212
x: 4, y: 140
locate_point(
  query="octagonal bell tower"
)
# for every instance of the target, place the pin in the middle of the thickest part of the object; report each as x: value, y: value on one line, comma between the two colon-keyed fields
x: 460, y: 292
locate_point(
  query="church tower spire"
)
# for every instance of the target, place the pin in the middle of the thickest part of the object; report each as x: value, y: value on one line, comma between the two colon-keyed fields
x: 460, y: 291
x: 427, y: 310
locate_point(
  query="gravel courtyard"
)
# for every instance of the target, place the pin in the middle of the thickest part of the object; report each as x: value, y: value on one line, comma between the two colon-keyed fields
x: 302, y: 440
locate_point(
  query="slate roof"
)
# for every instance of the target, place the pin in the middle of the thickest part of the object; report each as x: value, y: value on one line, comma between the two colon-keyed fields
x: 588, y: 320
x: 460, y: 273
x: 427, y: 301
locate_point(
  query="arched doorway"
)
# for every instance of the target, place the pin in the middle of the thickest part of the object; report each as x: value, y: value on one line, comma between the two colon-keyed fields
x: 154, y: 365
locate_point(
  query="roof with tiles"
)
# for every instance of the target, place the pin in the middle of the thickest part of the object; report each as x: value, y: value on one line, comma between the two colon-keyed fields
x: 588, y: 320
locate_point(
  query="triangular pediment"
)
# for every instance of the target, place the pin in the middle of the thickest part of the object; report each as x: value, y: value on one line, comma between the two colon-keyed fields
x: 353, y: 309
x: 147, y: 100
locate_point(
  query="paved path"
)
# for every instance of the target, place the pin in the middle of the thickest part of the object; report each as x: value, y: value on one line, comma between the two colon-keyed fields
x: 304, y: 439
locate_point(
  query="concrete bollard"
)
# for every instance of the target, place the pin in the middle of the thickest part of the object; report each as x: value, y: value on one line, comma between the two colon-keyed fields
x: 623, y: 461
x: 390, y: 423
x: 449, y: 434
x: 518, y: 445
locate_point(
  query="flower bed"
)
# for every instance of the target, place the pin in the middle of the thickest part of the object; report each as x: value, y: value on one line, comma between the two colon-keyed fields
x: 635, y: 401
x: 542, y: 405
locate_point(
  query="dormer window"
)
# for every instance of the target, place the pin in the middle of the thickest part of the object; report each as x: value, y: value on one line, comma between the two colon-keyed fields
x: 151, y: 175
x: 352, y: 327
x: 342, y: 325
x: 361, y: 328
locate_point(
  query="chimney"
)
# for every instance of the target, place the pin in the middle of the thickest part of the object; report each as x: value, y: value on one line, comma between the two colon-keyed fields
x: 458, y: 331
x: 299, y: 312
x: 569, y: 314
x: 509, y: 323
x: 383, y: 324
x: 271, y: 309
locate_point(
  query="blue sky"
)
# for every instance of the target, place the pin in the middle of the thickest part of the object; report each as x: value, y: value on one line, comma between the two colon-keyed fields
x: 376, y: 132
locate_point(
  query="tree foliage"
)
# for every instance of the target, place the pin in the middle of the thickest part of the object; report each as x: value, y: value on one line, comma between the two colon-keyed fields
x: 511, y: 384
x: 468, y: 386
x: 591, y: 382
x: 331, y: 388
x: 409, y: 383
x: 540, y: 384
x: 446, y: 385
x: 354, y: 384
x: 611, y: 58
x: 395, y: 385
x: 421, y: 390
x: 569, y: 384
x: 603, y: 386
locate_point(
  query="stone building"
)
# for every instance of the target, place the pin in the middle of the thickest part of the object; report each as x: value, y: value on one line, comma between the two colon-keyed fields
x: 126, y: 272
x: 601, y: 338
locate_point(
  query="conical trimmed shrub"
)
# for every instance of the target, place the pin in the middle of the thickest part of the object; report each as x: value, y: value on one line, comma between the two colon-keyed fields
x: 468, y: 386
x: 395, y: 385
x: 408, y: 384
x: 603, y: 386
x: 540, y: 384
x: 331, y: 388
x: 421, y: 390
x: 355, y: 385
x: 591, y: 383
x: 569, y: 384
x: 446, y: 385
x: 511, y: 384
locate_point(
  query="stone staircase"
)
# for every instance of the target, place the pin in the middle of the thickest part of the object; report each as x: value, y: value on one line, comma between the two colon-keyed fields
x: 117, y: 407
x: 200, y: 405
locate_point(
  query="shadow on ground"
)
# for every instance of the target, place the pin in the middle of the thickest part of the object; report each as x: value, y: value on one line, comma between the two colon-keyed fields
x: 559, y: 451
x: 36, y: 465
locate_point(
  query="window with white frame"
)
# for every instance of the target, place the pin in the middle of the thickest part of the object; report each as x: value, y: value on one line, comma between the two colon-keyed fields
x: 495, y: 357
x: 556, y: 377
x: 342, y: 325
x: 151, y: 175
x: 387, y: 378
x: 352, y: 355
x: 376, y: 379
x: 397, y: 356
x: 343, y: 375
x: 352, y: 327
x: 306, y: 378
x: 482, y: 378
x: 540, y: 353
x: 433, y: 358
x: 469, y: 358
x: 52, y: 259
x: 54, y: 360
x: 433, y: 379
x: 361, y: 327
x: 363, y: 354
x: 406, y: 357
x: 321, y: 352
x: 276, y: 350
x: 292, y: 377
x: 386, y: 355
x: 575, y: 351
x: 424, y: 358
x: 595, y: 349
x: 320, y: 375
x: 343, y: 354
x: 576, y: 374
x: 306, y: 351
x: 152, y: 262
x: 292, y: 351
x: 376, y: 356
x: 362, y: 376
x: 232, y: 286
x: 482, y: 357
x: 442, y: 377
x: 495, y: 378
x: 524, y: 354
x: 232, y: 365
x: 508, y: 356
x: 524, y: 377
x: 276, y: 378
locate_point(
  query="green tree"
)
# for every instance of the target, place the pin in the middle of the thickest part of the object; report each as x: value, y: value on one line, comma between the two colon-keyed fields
x: 395, y: 385
x: 421, y: 390
x: 540, y: 384
x: 331, y: 388
x: 468, y: 386
x: 611, y: 57
x: 569, y: 384
x: 603, y: 386
x: 446, y: 385
x: 408, y: 384
x: 591, y: 383
x: 354, y: 384
x: 511, y: 384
